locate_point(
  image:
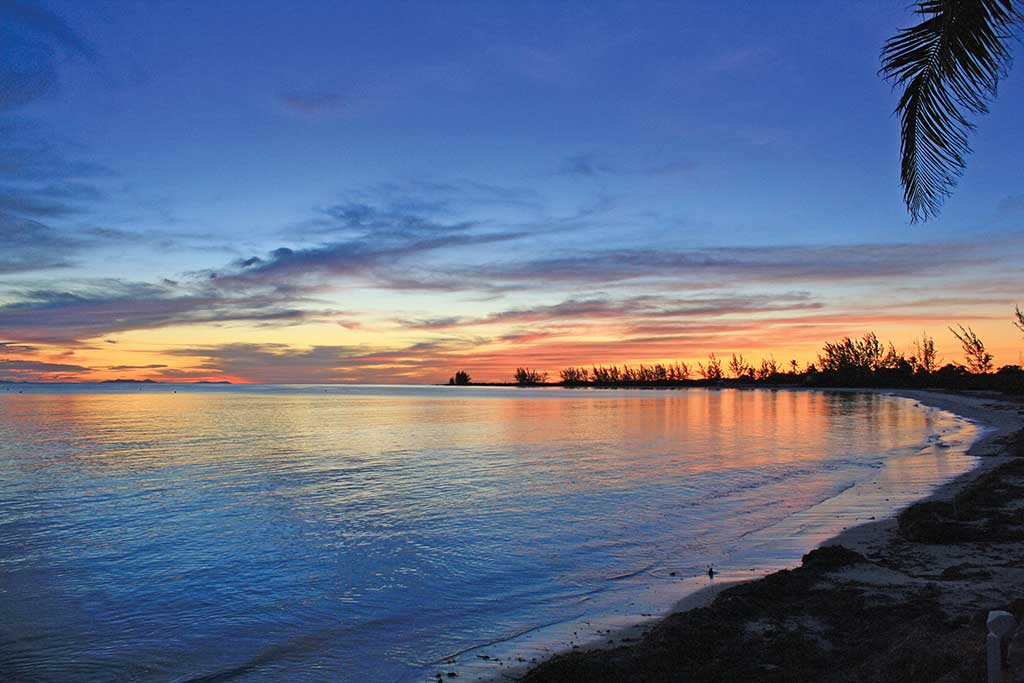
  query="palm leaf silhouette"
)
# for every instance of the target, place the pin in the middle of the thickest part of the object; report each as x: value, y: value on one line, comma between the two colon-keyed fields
x: 948, y: 66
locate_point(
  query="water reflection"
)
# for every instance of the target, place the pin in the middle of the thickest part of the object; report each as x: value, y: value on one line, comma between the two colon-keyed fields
x: 311, y: 534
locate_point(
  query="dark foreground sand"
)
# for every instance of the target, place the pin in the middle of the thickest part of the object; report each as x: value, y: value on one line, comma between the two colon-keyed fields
x: 903, y: 599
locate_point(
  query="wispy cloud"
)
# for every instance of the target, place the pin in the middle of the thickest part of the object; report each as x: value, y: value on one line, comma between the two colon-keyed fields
x: 731, y: 264
x: 123, y: 368
x: 31, y: 370
x: 30, y: 245
x: 419, y: 201
x: 268, y: 362
x: 363, y: 242
x: 101, y: 308
x: 33, y: 39
x: 41, y: 192
x: 593, y: 166
x: 630, y: 309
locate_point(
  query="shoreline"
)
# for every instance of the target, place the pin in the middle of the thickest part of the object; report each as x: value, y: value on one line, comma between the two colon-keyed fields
x: 999, y: 419
x: 638, y: 651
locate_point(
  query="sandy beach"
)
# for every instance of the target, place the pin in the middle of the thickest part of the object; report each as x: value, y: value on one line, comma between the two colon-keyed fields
x: 901, y: 598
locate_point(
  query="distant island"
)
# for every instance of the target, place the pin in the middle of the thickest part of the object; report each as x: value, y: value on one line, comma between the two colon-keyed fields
x: 153, y: 381
x: 129, y: 381
x: 119, y: 381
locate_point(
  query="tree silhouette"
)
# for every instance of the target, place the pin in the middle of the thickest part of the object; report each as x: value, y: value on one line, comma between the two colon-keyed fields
x: 575, y: 376
x: 925, y: 358
x: 461, y: 378
x: 528, y: 377
x: 739, y: 367
x: 948, y: 67
x: 978, y: 359
x: 769, y: 368
x: 713, y: 370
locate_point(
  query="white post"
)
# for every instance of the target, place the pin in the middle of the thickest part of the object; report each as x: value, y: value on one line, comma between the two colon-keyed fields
x: 995, y: 658
x: 1000, y: 629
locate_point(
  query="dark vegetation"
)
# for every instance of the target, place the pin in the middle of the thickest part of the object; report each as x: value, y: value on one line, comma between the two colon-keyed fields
x: 527, y: 377
x: 977, y: 514
x: 789, y: 626
x: 804, y: 625
x: 461, y: 378
x: 846, y: 362
x: 794, y: 625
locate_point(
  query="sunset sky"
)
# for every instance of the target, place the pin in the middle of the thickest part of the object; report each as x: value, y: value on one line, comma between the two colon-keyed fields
x: 389, y: 192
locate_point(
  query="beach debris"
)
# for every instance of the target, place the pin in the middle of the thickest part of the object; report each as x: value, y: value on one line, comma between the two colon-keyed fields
x: 1001, y: 626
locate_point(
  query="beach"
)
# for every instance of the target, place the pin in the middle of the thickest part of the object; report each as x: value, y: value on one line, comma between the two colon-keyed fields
x: 901, y: 598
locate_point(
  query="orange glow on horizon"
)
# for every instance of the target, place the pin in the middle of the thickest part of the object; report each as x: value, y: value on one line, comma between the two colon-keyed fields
x: 389, y: 357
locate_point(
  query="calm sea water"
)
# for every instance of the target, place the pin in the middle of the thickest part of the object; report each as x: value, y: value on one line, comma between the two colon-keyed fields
x: 162, y: 533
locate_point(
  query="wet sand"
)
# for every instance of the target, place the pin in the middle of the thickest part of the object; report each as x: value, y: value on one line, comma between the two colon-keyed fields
x: 901, y: 598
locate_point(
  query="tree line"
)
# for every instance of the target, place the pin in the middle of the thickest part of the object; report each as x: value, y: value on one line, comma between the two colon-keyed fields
x: 846, y: 362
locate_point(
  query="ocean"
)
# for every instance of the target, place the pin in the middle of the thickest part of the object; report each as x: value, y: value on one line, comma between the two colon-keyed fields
x: 390, y: 533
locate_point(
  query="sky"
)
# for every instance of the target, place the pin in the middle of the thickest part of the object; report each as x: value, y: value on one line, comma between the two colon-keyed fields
x: 393, y: 191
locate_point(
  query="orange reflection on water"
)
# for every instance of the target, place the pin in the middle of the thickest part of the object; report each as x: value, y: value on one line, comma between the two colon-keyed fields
x: 614, y: 435
x: 420, y: 515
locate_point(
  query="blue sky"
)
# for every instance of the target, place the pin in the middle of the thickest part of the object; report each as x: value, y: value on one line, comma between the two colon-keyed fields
x: 396, y: 163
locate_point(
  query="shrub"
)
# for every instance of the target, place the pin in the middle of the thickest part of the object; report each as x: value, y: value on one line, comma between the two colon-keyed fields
x: 575, y: 376
x: 713, y: 370
x: 979, y: 360
x: 529, y: 377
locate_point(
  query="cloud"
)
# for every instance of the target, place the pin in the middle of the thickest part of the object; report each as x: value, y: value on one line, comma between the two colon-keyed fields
x: 8, y: 347
x: 40, y: 186
x: 32, y: 153
x: 33, y: 40
x: 421, y: 200
x: 39, y: 371
x: 370, y: 244
x: 746, y: 264
x: 100, y: 308
x: 52, y: 201
x: 549, y: 342
x: 41, y: 191
x: 633, y: 308
x: 397, y: 222
x: 434, y: 360
x: 30, y: 245
x: 270, y: 363
x: 282, y: 363
x: 152, y: 366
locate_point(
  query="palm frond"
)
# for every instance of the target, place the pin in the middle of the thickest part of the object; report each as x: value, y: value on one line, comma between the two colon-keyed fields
x: 949, y: 67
